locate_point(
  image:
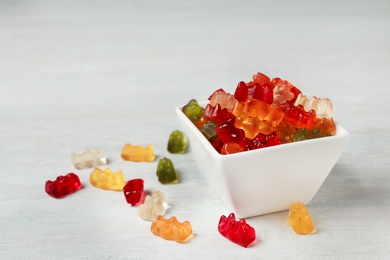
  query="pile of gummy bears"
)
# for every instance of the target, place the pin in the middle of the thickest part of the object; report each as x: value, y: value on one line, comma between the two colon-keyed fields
x: 261, y: 113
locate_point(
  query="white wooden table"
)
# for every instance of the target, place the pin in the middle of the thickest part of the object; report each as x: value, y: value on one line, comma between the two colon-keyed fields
x: 83, y: 74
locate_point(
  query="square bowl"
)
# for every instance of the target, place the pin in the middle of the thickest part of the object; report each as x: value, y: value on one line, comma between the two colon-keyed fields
x: 265, y: 180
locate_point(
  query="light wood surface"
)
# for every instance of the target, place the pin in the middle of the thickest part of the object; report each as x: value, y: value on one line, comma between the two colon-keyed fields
x: 83, y: 74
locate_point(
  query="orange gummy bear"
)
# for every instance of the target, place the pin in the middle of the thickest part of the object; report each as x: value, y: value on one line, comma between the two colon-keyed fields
x: 138, y: 153
x: 285, y: 132
x: 326, y: 125
x: 255, y: 116
x: 107, y: 179
x: 230, y: 148
x: 299, y: 219
x: 171, y: 229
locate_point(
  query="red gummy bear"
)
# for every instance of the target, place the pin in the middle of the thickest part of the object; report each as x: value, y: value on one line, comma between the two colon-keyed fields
x: 63, y: 185
x: 260, y: 141
x: 228, y: 133
x: 133, y: 191
x: 263, y: 93
x: 216, y: 114
x: 297, y: 116
x: 260, y: 79
x: 238, y: 232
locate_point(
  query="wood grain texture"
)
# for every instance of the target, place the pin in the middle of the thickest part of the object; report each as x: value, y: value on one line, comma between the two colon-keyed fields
x: 82, y: 74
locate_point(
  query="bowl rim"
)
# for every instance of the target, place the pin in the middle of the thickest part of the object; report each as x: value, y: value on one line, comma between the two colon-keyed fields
x: 340, y: 133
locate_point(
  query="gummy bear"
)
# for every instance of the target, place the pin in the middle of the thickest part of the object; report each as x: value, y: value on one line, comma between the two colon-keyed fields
x: 133, y: 191
x: 63, y: 185
x: 193, y: 110
x: 326, y: 125
x: 171, y: 229
x: 209, y: 131
x: 230, y: 148
x: 285, y: 132
x: 166, y: 172
x: 263, y: 93
x: 260, y: 141
x: 322, y: 106
x: 299, y: 219
x: 138, y: 153
x: 153, y: 206
x: 238, y: 232
x: 297, y: 116
x: 177, y: 143
x: 89, y: 158
x: 254, y: 116
x: 225, y: 100
x: 260, y: 79
x: 216, y: 114
x: 107, y: 179
x: 228, y: 133
x: 284, y: 91
x: 303, y: 134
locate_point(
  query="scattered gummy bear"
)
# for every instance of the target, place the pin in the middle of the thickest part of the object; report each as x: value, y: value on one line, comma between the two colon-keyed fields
x: 299, y: 219
x: 172, y: 229
x: 88, y: 159
x: 138, y: 153
x: 153, y: 206
x: 133, y: 191
x: 107, y: 179
x: 177, y: 143
x: 63, y: 185
x: 166, y: 172
x: 238, y: 232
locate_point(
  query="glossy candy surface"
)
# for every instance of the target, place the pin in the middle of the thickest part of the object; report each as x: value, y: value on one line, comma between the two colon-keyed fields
x: 138, y: 153
x: 284, y: 91
x: 261, y: 113
x: 237, y: 231
x: 177, y: 143
x: 225, y: 100
x: 254, y: 116
x: 193, y: 110
x: 323, y: 107
x: 166, y: 172
x: 171, y: 229
x: 63, y: 185
x: 153, y: 206
x: 106, y: 179
x: 133, y: 191
x: 299, y: 219
x: 88, y: 158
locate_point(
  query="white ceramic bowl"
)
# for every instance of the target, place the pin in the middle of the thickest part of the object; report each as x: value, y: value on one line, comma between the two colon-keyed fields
x: 266, y: 180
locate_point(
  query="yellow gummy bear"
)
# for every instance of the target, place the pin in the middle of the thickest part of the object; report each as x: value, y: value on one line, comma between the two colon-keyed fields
x: 299, y: 219
x: 171, y: 229
x: 138, y: 153
x: 107, y: 179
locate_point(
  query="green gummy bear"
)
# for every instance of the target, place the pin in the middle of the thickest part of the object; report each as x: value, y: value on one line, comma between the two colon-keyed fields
x: 303, y: 134
x: 208, y: 131
x: 177, y: 142
x: 193, y: 111
x: 166, y: 172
